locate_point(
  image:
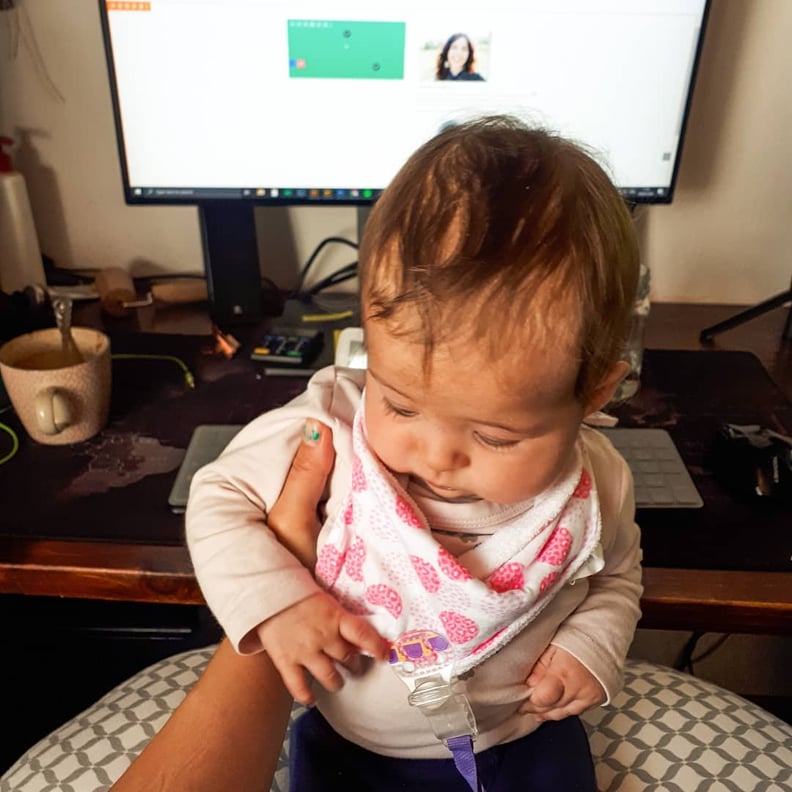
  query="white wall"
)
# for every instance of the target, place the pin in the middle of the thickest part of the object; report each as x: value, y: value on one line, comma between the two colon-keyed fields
x: 727, y: 237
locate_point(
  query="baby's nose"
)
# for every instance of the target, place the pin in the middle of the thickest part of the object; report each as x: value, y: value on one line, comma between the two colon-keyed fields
x: 442, y: 453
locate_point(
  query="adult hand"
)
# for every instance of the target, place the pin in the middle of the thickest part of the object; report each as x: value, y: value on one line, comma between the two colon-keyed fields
x: 295, y: 518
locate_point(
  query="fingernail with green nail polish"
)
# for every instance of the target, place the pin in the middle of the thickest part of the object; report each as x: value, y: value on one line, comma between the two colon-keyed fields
x: 311, y: 432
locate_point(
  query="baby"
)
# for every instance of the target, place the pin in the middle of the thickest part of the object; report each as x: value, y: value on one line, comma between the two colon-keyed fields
x: 472, y: 520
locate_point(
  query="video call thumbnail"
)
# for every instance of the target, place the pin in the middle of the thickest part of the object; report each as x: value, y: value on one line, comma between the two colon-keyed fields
x: 358, y: 50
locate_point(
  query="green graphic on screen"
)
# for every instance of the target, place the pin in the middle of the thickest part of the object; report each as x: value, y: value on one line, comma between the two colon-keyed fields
x: 330, y: 48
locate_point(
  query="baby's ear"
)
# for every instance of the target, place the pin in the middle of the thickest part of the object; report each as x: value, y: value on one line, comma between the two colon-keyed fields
x: 604, y: 391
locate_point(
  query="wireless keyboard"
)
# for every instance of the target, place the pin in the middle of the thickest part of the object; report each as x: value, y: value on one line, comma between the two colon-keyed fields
x: 206, y: 444
x: 661, y: 479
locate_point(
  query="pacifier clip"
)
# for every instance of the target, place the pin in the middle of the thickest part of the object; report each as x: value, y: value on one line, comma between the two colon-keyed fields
x: 424, y: 661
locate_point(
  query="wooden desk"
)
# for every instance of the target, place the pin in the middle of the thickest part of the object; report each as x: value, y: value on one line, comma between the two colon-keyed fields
x: 678, y: 599
x: 683, y: 599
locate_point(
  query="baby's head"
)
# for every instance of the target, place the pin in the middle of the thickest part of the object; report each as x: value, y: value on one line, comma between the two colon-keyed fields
x: 497, y: 276
x: 510, y: 235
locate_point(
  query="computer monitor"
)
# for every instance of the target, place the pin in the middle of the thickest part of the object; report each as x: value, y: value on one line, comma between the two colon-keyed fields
x: 226, y: 104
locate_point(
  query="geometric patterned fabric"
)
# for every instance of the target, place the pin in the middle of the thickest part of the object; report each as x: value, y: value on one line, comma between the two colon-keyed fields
x: 665, y: 731
x: 671, y: 731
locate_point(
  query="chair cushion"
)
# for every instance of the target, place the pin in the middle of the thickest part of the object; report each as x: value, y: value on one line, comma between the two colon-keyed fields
x: 665, y: 731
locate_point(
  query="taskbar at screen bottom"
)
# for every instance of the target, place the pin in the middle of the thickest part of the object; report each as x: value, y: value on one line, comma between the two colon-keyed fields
x: 137, y: 194
x: 307, y: 195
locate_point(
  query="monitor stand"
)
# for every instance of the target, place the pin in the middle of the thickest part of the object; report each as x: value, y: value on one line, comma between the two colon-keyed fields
x: 231, y: 262
x: 708, y: 333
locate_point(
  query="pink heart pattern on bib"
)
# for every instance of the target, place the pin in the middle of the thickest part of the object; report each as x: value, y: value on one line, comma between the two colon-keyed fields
x: 379, y: 557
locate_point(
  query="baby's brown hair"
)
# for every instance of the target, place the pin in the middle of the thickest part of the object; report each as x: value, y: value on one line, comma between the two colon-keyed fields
x: 514, y: 229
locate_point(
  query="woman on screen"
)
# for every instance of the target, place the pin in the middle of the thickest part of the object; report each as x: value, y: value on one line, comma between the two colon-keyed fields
x: 456, y: 60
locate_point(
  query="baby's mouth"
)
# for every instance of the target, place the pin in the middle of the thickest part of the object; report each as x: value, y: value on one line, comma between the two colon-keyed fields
x: 438, y: 489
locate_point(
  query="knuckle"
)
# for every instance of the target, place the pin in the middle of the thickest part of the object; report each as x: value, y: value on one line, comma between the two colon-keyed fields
x: 332, y: 681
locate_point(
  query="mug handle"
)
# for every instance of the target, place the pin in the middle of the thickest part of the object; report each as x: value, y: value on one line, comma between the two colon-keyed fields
x: 53, y: 413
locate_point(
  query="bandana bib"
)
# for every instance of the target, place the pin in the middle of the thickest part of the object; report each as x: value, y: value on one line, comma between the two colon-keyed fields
x: 380, y: 560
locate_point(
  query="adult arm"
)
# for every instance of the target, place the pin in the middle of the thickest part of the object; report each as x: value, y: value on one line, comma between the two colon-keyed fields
x: 228, y: 731
x: 226, y: 734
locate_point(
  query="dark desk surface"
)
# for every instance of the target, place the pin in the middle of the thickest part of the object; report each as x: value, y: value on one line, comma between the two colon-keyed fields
x: 92, y: 521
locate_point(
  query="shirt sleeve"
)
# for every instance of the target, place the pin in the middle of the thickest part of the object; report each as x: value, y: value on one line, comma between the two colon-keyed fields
x: 599, y: 632
x: 245, y: 574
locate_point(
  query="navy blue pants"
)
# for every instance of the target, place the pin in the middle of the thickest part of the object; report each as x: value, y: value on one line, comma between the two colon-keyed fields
x: 555, y: 758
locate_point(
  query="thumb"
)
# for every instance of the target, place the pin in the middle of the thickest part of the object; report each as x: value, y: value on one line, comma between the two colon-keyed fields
x: 547, y: 692
x: 541, y: 667
x: 294, y: 518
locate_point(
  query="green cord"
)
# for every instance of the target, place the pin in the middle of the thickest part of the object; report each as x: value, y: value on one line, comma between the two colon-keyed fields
x: 189, y: 379
x: 14, y: 443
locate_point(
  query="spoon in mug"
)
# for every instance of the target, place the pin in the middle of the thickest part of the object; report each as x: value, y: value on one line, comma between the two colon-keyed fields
x: 70, y: 354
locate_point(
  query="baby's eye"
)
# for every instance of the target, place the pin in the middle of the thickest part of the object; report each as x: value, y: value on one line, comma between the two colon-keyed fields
x: 495, y: 442
x: 393, y: 409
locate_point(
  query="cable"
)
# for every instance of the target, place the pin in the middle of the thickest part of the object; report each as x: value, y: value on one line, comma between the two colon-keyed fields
x: 21, y: 30
x: 329, y: 305
x: 710, y: 649
x: 14, y: 443
x: 345, y: 273
x: 189, y: 378
x: 683, y: 661
x: 312, y: 258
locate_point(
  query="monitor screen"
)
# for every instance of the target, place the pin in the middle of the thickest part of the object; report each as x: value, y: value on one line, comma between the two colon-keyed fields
x: 300, y: 102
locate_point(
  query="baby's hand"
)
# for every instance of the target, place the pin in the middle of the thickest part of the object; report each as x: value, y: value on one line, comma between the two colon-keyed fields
x: 560, y: 685
x: 313, y: 636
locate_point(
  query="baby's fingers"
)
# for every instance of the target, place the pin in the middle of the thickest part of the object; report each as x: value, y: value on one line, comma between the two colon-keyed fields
x: 363, y: 636
x: 559, y: 713
x: 296, y: 682
x: 324, y: 670
x: 548, y: 693
x: 297, y: 679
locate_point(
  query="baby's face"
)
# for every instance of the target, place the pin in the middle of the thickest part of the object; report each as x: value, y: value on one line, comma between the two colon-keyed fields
x: 503, y: 431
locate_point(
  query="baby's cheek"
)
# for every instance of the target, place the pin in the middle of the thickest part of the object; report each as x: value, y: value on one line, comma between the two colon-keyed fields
x: 508, y: 486
x: 389, y: 446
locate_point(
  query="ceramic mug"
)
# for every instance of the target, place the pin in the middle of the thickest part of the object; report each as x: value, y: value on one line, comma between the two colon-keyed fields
x: 58, y: 404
